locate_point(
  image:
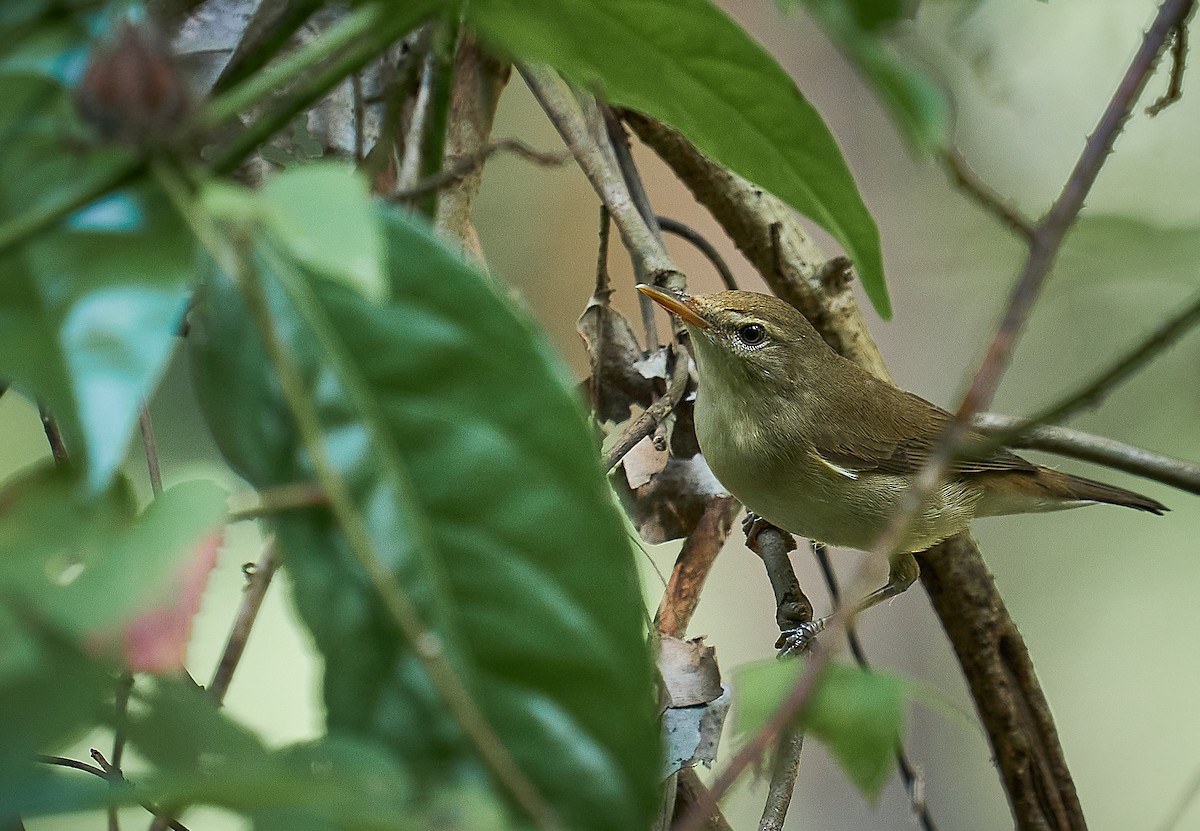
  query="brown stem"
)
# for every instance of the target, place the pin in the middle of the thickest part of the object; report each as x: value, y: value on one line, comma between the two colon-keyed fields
x: 986, y: 196
x: 54, y: 436
x: 151, y: 447
x: 673, y: 226
x: 479, y: 78
x: 247, y: 613
x: 1179, y: 50
x: 692, y: 566
x: 784, y: 770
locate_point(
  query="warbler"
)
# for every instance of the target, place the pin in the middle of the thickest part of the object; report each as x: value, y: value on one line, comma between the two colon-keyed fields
x: 817, y: 446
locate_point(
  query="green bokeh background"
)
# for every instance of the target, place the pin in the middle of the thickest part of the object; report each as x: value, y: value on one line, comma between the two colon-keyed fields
x: 1105, y: 598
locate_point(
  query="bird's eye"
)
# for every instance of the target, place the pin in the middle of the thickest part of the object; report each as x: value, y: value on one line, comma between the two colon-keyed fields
x: 752, y: 334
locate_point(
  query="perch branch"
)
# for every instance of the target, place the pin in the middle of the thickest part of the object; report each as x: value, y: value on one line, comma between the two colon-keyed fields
x: 913, y: 782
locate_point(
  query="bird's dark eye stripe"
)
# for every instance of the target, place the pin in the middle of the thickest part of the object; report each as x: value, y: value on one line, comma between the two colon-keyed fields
x: 752, y: 334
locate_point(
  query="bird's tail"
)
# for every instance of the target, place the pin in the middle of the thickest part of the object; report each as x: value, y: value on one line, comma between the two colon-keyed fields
x: 1069, y: 486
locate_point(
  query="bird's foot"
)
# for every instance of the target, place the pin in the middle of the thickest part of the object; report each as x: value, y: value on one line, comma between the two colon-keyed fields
x: 753, y: 525
x: 800, y: 639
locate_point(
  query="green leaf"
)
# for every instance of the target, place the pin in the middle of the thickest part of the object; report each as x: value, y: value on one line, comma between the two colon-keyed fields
x: 89, y: 311
x: 474, y: 471
x: 686, y: 63
x: 858, y: 715
x: 322, y: 213
x: 918, y: 105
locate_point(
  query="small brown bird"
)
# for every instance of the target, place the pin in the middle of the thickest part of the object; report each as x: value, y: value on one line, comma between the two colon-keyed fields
x: 816, y: 445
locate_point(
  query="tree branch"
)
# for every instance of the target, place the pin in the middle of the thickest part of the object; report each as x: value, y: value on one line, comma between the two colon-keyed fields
x: 1086, y: 447
x: 986, y: 196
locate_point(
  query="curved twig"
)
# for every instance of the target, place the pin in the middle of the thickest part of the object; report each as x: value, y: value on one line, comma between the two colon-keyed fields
x: 687, y: 232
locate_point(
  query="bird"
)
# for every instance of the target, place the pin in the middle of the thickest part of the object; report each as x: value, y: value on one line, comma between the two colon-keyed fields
x: 814, y: 444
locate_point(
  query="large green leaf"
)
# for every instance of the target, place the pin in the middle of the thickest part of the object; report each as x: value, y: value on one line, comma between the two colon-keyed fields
x: 858, y: 714
x: 88, y: 311
x: 686, y: 63
x: 472, y: 467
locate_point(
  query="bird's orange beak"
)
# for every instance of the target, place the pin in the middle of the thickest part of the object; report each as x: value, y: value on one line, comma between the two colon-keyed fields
x: 675, y: 303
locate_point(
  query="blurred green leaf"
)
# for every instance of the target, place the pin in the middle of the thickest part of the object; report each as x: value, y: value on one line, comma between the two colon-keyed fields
x: 199, y: 756
x: 858, y: 715
x: 89, y: 310
x: 322, y: 212
x: 44, y: 702
x: 685, y: 62
x: 471, y: 464
x: 86, y: 565
x: 202, y: 756
x: 918, y: 104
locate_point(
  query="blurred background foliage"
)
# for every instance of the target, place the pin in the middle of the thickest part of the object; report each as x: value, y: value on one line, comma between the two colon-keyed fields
x: 1106, y: 600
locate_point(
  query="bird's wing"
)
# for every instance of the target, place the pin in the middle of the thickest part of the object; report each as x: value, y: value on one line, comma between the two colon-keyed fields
x: 904, y: 445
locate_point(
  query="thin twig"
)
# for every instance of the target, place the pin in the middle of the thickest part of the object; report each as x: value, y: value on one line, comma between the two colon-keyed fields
x: 1124, y: 368
x: 460, y: 167
x: 983, y: 193
x: 281, y: 498
x: 1076, y: 444
x: 652, y: 416
x: 75, y: 764
x: 687, y: 232
x: 784, y: 769
x: 243, y: 622
x: 1179, y: 50
x: 600, y: 168
x: 54, y: 436
x: 914, y: 784
x: 792, y: 609
x: 151, y: 448
x: 618, y: 142
x: 120, y: 715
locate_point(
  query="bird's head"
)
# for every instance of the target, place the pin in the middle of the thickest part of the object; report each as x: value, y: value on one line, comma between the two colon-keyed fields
x: 744, y: 340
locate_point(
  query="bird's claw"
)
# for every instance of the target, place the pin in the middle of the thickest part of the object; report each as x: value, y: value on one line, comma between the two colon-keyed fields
x: 800, y: 639
x: 753, y: 525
